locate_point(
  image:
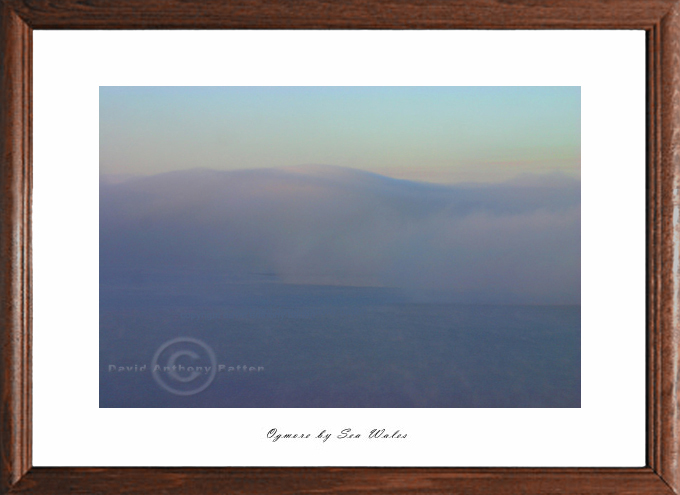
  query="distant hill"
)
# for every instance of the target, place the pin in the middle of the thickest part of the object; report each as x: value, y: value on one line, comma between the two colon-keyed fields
x: 512, y: 242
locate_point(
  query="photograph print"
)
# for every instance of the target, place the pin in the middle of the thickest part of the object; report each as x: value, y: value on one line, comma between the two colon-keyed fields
x: 340, y: 247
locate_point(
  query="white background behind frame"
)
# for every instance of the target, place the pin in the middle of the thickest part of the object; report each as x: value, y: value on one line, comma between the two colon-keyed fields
x: 69, y: 66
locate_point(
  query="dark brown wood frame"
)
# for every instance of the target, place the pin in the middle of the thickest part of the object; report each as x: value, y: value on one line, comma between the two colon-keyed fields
x: 661, y: 21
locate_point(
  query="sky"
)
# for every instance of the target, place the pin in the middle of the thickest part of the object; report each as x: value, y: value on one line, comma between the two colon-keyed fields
x: 433, y: 134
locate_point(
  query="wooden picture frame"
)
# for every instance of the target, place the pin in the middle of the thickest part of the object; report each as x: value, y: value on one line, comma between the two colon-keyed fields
x: 661, y: 21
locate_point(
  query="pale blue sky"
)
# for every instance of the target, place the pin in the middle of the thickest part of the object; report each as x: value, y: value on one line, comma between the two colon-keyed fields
x: 438, y: 134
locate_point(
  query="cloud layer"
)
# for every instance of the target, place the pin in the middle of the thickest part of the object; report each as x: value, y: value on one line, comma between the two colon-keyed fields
x: 516, y: 242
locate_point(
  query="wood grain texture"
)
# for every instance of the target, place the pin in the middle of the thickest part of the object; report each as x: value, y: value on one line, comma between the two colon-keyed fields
x: 15, y: 260
x: 659, y: 18
x: 321, y: 481
x: 340, y: 14
x: 669, y: 336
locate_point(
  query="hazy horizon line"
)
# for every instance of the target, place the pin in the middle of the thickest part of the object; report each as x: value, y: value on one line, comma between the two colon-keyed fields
x: 560, y: 174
